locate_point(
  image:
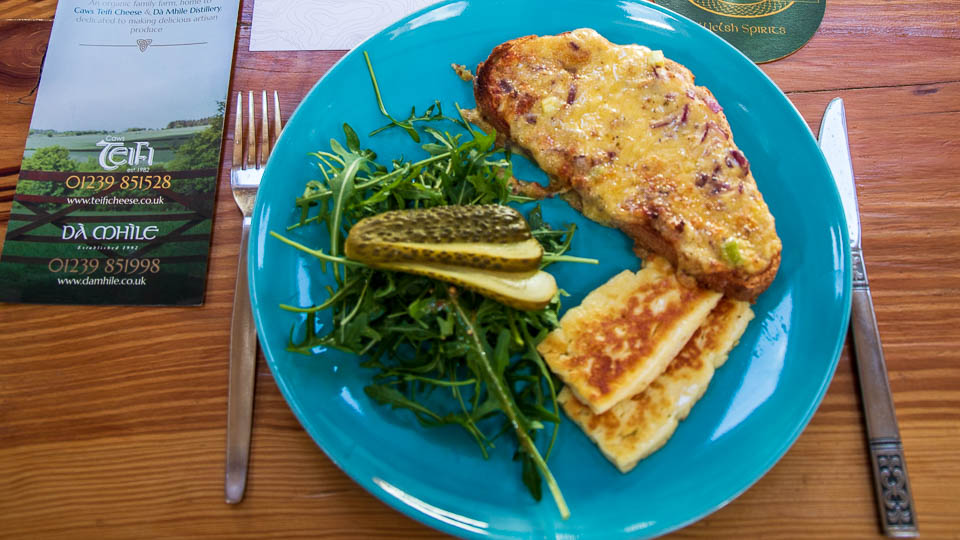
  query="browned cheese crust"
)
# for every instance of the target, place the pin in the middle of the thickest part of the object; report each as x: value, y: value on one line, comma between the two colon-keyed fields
x: 627, y: 138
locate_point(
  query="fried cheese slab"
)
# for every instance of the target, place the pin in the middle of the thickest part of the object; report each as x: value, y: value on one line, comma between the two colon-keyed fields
x: 629, y: 139
x: 625, y: 332
x: 638, y: 426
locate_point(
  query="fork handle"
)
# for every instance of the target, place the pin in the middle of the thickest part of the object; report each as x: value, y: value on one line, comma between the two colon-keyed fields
x: 243, y: 363
x: 892, y: 486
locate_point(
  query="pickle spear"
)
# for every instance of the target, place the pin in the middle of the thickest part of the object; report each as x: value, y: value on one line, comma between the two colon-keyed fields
x: 489, y: 237
x: 528, y: 291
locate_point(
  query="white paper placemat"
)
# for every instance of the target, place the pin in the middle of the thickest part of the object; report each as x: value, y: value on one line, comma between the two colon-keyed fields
x: 304, y: 25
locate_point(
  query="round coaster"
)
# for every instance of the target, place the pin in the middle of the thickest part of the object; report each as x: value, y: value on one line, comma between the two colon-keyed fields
x: 765, y: 30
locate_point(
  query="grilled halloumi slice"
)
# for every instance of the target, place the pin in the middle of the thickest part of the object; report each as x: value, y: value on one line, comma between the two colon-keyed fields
x: 625, y: 332
x: 638, y: 426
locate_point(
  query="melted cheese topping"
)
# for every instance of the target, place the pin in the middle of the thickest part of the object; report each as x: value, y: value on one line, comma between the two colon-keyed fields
x: 640, y: 145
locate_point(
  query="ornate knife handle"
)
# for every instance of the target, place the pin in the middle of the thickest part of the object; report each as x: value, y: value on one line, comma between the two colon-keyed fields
x: 897, y: 513
x: 893, y: 493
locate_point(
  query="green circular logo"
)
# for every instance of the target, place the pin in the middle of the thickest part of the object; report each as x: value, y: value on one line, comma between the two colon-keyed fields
x: 765, y: 30
x: 746, y: 10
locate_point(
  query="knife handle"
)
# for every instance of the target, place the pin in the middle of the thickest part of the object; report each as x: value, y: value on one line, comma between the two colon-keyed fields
x: 894, y: 498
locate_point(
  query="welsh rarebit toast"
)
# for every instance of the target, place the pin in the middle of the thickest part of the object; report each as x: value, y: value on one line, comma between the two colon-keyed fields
x: 628, y: 139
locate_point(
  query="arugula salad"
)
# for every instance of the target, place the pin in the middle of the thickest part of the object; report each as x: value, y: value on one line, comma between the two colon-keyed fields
x: 448, y: 355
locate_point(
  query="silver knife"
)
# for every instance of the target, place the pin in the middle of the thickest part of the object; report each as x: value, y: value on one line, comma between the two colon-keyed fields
x: 897, y: 513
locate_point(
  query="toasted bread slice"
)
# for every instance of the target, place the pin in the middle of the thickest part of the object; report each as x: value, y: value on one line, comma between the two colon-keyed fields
x: 629, y: 139
x: 625, y: 332
x: 638, y: 426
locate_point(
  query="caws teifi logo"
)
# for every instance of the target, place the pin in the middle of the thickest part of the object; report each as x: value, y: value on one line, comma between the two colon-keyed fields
x: 115, y: 153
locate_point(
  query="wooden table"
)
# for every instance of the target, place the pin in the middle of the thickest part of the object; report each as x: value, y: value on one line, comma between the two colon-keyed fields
x: 112, y: 418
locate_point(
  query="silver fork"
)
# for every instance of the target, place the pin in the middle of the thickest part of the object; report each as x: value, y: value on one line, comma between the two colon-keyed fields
x: 245, y: 174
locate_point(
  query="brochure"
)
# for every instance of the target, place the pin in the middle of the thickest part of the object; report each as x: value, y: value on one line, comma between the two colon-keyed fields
x: 115, y: 199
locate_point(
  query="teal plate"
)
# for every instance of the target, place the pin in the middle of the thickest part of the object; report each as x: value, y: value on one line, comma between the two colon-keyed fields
x: 758, y: 403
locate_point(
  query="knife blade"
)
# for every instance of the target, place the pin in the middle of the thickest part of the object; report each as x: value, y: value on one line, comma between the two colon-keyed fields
x: 891, y: 484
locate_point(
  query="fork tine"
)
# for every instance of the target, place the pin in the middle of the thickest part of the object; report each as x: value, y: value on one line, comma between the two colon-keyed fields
x: 264, y: 133
x: 251, y: 133
x: 238, y: 134
x: 277, y: 119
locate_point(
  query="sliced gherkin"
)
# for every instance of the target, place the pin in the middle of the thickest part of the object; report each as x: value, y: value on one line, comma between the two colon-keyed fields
x: 490, y: 237
x: 523, y: 290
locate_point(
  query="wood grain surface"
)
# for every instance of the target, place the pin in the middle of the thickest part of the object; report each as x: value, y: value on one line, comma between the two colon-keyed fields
x: 112, y: 419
